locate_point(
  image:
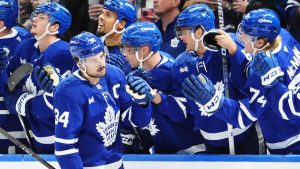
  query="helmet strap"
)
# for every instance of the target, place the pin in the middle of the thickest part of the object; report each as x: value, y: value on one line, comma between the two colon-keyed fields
x: 38, y: 38
x: 141, y: 60
x: 112, y: 31
x: 3, y: 28
x: 196, y: 41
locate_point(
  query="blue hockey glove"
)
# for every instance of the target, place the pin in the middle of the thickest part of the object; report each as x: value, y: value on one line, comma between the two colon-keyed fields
x: 201, y: 90
x: 121, y: 62
x: 267, y: 67
x: 140, y: 72
x: 4, y: 58
x: 140, y: 90
x: 46, y: 77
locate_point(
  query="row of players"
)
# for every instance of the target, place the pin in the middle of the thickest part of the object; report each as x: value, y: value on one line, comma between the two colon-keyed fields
x: 181, y: 102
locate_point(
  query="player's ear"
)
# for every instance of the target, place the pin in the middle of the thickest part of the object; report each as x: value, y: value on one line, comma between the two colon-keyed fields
x: 198, y: 33
x: 261, y: 42
x: 1, y: 24
x: 121, y: 25
x: 54, y: 27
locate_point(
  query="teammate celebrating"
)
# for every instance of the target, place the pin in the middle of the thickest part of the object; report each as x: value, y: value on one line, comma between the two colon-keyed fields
x: 219, y: 137
x: 115, y: 17
x: 141, y: 47
x: 49, y: 20
x: 10, y: 37
x: 88, y: 106
x: 269, y: 73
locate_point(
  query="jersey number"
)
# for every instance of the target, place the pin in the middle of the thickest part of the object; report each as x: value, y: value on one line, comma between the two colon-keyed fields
x: 256, y: 93
x: 63, y: 118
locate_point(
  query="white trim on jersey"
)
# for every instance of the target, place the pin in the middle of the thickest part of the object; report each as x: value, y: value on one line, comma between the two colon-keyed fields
x: 223, y: 134
x: 4, y: 112
x: 44, y: 140
x: 193, y: 149
x: 66, y: 141
x: 15, y: 134
x: 66, y: 152
x: 284, y: 144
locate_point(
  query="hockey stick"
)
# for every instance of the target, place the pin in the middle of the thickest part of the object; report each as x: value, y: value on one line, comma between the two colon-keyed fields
x: 26, y: 149
x: 18, y: 75
x: 225, y: 76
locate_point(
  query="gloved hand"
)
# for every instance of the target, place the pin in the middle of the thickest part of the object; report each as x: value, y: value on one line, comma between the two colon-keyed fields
x: 140, y: 90
x: 121, y: 62
x: 201, y: 90
x: 140, y: 72
x: 266, y: 66
x: 4, y: 58
x: 46, y: 77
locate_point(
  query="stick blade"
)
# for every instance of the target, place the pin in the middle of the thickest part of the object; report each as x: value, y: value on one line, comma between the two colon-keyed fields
x: 18, y: 75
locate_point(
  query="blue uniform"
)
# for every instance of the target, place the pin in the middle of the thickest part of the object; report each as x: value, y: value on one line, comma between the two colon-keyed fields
x: 170, y: 44
x: 10, y: 122
x: 271, y: 107
x: 213, y: 129
x: 32, y: 102
x: 87, y: 120
x: 170, y: 136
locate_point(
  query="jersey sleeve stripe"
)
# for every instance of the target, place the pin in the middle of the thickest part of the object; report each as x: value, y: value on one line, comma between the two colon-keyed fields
x: 66, y: 152
x: 245, y: 110
x: 66, y: 141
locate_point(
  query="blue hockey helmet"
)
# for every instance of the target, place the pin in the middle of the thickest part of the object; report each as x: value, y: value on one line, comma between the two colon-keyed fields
x: 142, y: 33
x: 85, y: 45
x: 263, y: 23
x: 9, y: 12
x: 197, y: 15
x: 57, y: 14
x: 123, y: 9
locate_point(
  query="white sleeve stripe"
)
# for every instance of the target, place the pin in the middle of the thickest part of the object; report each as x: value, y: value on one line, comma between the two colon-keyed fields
x: 66, y: 152
x: 179, y: 101
x: 281, y: 104
x: 245, y: 110
x: 240, y: 120
x: 66, y: 141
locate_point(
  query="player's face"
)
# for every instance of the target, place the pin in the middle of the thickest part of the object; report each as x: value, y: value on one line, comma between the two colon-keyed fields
x: 39, y: 23
x: 95, y: 65
x: 162, y: 6
x: 129, y: 53
x: 106, y: 22
x: 186, y: 37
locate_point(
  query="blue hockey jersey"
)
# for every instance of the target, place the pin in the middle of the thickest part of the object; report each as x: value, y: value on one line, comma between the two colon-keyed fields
x: 29, y: 100
x: 10, y: 122
x: 87, y: 120
x: 170, y: 136
x: 271, y: 107
x: 213, y: 129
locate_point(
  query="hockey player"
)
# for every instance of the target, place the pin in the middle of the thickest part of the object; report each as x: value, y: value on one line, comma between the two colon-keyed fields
x: 219, y: 137
x: 49, y: 21
x: 115, y: 17
x: 271, y: 70
x: 89, y: 104
x: 141, y: 43
x: 10, y: 37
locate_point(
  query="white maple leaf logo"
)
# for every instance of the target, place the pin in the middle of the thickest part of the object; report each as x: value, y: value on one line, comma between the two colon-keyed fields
x: 152, y: 127
x: 30, y: 88
x: 108, y: 129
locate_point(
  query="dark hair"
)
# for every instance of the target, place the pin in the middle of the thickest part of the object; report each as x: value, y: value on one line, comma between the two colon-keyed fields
x: 180, y: 6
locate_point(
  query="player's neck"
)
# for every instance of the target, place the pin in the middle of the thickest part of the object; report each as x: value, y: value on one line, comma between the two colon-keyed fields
x: 113, y: 40
x: 45, y: 42
x: 5, y: 32
x: 168, y: 17
x: 152, y: 61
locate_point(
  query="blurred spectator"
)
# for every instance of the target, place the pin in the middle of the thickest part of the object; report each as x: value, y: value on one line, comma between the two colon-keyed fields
x: 293, y: 17
x: 168, y: 11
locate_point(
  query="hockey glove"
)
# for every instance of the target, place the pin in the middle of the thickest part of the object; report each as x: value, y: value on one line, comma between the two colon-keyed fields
x: 201, y: 90
x: 121, y: 62
x: 140, y: 72
x: 4, y: 57
x: 140, y: 90
x: 267, y: 67
x: 46, y: 77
